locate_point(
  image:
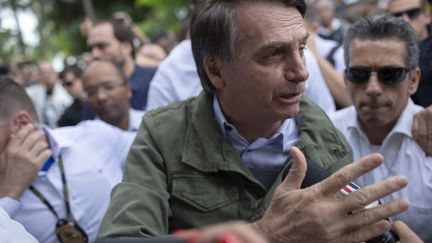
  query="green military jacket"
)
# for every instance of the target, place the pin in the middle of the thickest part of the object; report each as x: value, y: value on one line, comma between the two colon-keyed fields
x: 181, y: 172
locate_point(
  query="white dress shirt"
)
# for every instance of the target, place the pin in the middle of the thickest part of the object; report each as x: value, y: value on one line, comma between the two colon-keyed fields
x: 177, y: 79
x: 93, y: 154
x: 402, y: 156
x: 324, y: 47
x: 49, y: 109
x: 135, y: 118
x: 12, y: 231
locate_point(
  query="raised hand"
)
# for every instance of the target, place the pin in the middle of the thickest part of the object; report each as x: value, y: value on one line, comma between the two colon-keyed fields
x: 315, y: 214
x: 21, y: 160
x: 422, y: 129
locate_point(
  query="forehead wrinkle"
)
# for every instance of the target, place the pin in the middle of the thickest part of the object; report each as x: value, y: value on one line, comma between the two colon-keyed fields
x: 394, y: 49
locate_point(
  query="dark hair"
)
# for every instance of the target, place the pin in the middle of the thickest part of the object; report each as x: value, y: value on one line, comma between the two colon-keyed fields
x: 14, y: 98
x: 122, y: 32
x: 77, y: 72
x: 378, y: 27
x: 116, y: 64
x: 214, y: 31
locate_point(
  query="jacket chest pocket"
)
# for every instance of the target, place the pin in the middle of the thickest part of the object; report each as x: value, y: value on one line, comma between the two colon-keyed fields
x: 199, y: 200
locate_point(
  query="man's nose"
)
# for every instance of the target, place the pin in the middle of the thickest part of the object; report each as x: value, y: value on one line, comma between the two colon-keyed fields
x: 96, y: 53
x: 373, y: 86
x: 295, y: 68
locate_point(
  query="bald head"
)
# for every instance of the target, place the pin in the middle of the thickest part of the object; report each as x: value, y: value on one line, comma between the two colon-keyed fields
x: 108, y: 92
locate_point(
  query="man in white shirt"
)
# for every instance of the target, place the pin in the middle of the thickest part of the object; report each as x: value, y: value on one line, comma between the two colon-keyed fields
x: 382, y: 74
x: 49, y: 97
x: 108, y: 94
x: 56, y: 181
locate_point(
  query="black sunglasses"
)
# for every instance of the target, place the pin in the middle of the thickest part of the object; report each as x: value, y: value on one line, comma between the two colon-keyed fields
x: 386, y: 75
x: 411, y: 13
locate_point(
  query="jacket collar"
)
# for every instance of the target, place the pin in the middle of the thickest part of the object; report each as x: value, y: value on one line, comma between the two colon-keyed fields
x: 205, y: 141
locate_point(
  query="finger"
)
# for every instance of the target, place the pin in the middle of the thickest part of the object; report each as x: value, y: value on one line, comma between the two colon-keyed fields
x: 34, y: 137
x: 349, y: 173
x: 368, y: 232
x: 38, y: 147
x: 363, y: 197
x: 236, y: 232
x: 404, y: 233
x: 190, y: 236
x: 42, y: 156
x: 21, y: 134
x: 371, y: 216
x: 297, y: 171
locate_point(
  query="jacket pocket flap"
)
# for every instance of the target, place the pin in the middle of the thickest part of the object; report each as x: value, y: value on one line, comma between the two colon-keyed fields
x: 205, y: 193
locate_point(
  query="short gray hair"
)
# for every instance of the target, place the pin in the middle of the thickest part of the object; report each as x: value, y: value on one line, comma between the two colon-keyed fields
x: 214, y: 31
x: 377, y: 27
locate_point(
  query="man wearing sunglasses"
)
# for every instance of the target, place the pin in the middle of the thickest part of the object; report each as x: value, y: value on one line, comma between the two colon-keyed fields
x: 381, y: 55
x: 415, y: 12
x: 71, y: 79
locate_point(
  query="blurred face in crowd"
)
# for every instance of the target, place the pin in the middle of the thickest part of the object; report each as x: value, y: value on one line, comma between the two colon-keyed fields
x: 108, y: 94
x: 379, y: 105
x: 264, y: 80
x: 47, y: 75
x: 412, y: 12
x: 102, y: 43
x: 325, y: 13
x: 73, y: 85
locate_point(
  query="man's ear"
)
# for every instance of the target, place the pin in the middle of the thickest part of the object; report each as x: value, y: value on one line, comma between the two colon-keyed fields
x: 414, y: 77
x: 213, y: 67
x: 19, y: 120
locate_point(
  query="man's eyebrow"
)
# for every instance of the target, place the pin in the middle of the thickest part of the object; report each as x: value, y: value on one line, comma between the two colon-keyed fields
x: 282, y: 45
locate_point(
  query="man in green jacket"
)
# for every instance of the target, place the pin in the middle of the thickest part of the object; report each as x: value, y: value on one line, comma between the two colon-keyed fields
x: 224, y: 155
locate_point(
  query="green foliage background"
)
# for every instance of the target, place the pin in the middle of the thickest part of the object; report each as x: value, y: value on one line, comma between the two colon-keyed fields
x: 59, y: 23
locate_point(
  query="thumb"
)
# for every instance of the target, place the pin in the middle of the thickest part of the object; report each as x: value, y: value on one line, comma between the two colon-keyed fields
x: 297, y: 171
x: 405, y: 233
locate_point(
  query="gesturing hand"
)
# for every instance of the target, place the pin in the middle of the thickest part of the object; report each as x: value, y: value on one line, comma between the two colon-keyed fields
x: 422, y: 129
x: 315, y: 214
x: 21, y: 160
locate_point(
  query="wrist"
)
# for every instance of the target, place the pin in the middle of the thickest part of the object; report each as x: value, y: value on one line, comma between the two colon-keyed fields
x: 14, y: 193
x: 258, y: 228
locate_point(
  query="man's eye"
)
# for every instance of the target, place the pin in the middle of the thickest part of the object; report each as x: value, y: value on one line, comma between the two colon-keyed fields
x: 303, y: 48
